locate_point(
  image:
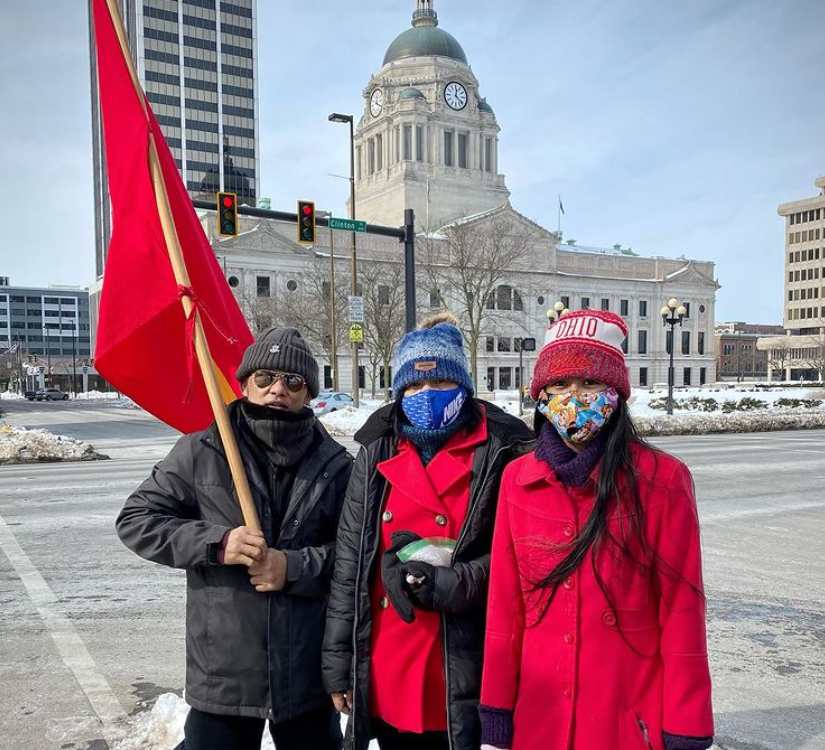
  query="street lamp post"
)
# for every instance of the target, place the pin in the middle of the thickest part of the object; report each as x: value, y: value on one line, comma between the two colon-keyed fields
x: 74, y: 357
x: 333, y: 336
x: 557, y: 311
x: 339, y: 118
x: 672, y: 315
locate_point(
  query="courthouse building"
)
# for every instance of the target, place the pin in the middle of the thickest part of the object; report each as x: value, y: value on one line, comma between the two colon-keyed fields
x: 428, y: 139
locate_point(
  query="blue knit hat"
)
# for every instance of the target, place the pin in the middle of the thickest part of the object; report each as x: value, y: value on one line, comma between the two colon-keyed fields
x: 434, y: 352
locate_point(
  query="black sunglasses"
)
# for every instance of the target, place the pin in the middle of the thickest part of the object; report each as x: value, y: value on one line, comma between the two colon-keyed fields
x: 265, y: 378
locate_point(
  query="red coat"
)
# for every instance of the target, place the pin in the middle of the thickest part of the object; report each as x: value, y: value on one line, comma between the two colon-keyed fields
x: 588, y: 675
x: 408, y: 688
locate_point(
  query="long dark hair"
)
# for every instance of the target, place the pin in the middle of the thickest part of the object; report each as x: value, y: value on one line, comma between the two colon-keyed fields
x: 617, y: 489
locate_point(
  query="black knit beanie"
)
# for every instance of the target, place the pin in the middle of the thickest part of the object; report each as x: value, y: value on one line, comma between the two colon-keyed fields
x: 282, y: 350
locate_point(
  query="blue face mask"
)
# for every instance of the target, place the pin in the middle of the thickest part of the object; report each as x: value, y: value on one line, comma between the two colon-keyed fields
x: 433, y: 410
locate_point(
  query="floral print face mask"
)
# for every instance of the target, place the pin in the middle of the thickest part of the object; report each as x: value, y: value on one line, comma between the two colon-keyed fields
x: 577, y: 417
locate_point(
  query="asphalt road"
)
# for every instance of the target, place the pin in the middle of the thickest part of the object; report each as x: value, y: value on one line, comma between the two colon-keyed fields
x: 91, y: 634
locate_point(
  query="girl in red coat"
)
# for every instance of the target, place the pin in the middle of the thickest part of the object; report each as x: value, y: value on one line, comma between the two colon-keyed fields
x: 596, y: 613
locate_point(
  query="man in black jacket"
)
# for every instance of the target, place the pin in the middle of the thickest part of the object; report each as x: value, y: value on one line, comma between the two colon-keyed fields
x: 255, y: 601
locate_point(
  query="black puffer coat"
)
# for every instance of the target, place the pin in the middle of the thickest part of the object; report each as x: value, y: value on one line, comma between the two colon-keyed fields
x: 346, y: 655
x: 247, y: 653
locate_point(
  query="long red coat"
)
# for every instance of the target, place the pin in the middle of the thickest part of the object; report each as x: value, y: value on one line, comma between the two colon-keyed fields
x: 408, y: 687
x: 591, y: 674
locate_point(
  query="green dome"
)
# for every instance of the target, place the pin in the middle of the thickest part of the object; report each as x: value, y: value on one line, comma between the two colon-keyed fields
x: 425, y: 41
x: 483, y: 106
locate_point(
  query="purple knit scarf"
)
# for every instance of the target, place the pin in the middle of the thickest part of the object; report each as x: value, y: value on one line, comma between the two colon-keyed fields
x: 573, y: 469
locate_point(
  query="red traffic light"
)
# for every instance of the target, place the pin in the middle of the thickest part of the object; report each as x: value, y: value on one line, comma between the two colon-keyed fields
x: 306, y: 222
x: 228, y: 201
x: 307, y: 210
x: 227, y: 205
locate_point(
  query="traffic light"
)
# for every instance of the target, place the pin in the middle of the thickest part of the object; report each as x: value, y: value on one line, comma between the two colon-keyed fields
x: 227, y: 214
x: 306, y: 222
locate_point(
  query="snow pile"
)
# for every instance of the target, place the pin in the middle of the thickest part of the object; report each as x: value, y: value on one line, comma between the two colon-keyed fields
x: 704, y: 424
x: 346, y: 421
x: 11, y: 396
x: 98, y: 395
x: 162, y: 727
x: 19, y: 446
x: 695, y: 402
x: 124, y: 402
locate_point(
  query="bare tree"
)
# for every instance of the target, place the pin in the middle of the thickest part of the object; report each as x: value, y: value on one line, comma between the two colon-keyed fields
x: 815, y: 354
x: 307, y: 307
x: 383, y: 291
x: 468, y: 265
x: 779, y: 356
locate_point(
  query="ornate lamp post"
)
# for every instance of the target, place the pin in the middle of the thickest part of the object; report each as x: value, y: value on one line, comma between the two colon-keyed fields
x: 556, y: 312
x: 672, y: 315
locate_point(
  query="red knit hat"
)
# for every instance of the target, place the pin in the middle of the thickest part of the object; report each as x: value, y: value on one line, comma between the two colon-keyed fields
x: 583, y: 344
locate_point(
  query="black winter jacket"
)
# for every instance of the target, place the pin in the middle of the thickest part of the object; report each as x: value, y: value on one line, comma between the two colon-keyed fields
x: 247, y: 653
x: 346, y: 654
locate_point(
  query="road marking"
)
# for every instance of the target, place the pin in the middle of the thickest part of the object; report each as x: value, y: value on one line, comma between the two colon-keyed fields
x: 69, y: 644
x: 768, y: 510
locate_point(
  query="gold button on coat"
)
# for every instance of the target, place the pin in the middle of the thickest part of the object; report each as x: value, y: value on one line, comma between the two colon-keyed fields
x: 384, y: 602
x: 387, y: 516
x: 441, y: 520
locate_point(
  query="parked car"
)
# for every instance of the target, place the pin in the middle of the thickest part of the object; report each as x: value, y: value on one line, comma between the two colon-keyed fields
x: 48, y: 394
x: 329, y: 401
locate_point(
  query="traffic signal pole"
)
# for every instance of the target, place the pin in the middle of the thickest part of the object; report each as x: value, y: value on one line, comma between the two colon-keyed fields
x: 405, y: 234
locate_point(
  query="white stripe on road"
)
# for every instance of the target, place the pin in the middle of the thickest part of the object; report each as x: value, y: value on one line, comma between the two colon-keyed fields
x: 69, y: 644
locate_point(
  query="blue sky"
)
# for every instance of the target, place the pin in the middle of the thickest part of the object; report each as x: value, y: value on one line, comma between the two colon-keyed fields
x: 674, y: 128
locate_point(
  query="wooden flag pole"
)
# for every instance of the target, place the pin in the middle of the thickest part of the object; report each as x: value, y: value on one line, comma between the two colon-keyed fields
x: 230, y: 444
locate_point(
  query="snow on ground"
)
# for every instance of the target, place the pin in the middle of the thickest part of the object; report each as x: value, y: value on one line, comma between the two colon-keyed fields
x: 98, y: 396
x: 161, y: 728
x: 10, y: 396
x: 19, y: 446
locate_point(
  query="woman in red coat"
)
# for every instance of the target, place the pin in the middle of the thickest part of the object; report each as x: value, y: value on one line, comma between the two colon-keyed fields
x: 596, y: 612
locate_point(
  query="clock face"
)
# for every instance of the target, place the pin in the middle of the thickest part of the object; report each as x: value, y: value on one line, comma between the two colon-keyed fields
x: 456, y: 96
x: 376, y: 102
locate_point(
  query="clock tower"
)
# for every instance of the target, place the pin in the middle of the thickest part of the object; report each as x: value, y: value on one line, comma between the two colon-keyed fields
x: 427, y: 139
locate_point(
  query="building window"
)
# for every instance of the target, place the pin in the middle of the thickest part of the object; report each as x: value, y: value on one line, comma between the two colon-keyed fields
x: 407, y: 149
x: 449, y: 143
x: 504, y: 297
x: 488, y: 154
x: 686, y: 376
x: 383, y: 295
x: 624, y: 344
x: 642, y: 308
x: 491, y: 378
x: 462, y: 150
x: 668, y: 340
x: 685, y: 342
x: 518, y: 305
x: 234, y: 281
x: 585, y: 303
x: 505, y: 378
x: 292, y: 285
x: 700, y: 342
x: 490, y: 344
x: 643, y: 377
x: 419, y: 143
x: 263, y: 286
x: 435, y: 297
x: 703, y: 375
x: 379, y: 152
x: 327, y: 377
x: 566, y: 302
x: 687, y: 309
x: 381, y: 381
x: 642, y: 341
x: 605, y: 303
x: 624, y: 308
x: 503, y: 344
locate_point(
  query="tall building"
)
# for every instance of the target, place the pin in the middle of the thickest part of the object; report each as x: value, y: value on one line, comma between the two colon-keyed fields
x: 801, y: 352
x: 428, y: 139
x: 196, y: 60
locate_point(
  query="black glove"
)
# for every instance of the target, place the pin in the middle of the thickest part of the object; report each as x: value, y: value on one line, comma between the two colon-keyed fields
x: 393, y: 574
x: 432, y: 587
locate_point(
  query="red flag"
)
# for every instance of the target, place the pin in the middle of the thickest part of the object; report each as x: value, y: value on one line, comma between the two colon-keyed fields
x: 144, y: 339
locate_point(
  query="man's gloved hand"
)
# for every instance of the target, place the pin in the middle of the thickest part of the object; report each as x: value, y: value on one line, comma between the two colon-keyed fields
x: 393, y: 574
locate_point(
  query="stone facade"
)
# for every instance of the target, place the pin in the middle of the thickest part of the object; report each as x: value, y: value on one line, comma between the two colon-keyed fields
x: 800, y: 354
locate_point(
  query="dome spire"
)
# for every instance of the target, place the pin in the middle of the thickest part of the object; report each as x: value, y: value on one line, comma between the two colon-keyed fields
x: 424, y: 14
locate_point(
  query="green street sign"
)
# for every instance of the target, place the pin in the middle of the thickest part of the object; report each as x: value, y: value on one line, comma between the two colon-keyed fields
x: 347, y: 225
